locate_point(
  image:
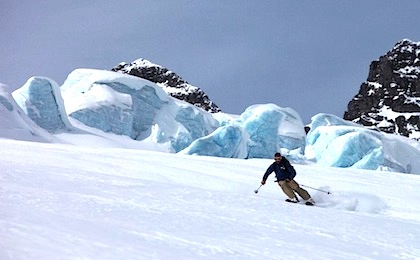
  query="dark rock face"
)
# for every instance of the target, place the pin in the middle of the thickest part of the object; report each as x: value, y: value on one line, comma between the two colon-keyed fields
x: 171, y: 83
x: 389, y: 100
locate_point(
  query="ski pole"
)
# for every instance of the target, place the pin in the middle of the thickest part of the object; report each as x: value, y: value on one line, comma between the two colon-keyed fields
x: 256, y: 191
x: 315, y: 189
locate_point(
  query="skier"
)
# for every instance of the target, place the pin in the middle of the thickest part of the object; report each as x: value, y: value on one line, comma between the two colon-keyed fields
x: 285, y: 174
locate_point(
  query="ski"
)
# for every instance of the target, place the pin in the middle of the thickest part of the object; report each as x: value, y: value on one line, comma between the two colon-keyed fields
x: 307, y: 203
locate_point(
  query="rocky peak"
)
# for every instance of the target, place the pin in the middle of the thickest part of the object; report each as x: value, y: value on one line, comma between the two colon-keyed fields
x: 389, y: 100
x: 169, y: 81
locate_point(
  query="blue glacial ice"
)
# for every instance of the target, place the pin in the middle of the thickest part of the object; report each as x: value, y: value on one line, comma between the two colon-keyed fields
x: 131, y: 106
x: 335, y: 142
x: 40, y: 98
x: 259, y: 132
x: 15, y: 124
x: 227, y: 141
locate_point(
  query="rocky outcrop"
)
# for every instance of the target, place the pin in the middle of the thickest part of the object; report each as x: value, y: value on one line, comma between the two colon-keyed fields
x: 171, y: 83
x: 389, y: 100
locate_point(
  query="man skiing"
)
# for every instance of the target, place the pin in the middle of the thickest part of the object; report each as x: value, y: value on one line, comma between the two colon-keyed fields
x: 285, y: 174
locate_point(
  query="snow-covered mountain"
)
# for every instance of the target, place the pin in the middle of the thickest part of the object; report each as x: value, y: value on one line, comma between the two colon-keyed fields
x: 170, y: 82
x: 390, y: 98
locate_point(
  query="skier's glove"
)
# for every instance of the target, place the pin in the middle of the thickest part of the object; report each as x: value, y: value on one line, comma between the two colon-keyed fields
x: 263, y: 182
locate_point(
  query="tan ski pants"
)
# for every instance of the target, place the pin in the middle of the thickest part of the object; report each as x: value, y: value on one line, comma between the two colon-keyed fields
x: 291, y: 186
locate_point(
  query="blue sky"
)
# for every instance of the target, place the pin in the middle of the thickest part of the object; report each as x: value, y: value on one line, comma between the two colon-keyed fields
x: 309, y: 55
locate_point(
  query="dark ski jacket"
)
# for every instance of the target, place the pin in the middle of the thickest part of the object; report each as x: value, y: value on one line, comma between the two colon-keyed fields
x: 283, y: 169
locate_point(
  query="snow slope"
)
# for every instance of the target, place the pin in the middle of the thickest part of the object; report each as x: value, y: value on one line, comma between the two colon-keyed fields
x: 71, y: 202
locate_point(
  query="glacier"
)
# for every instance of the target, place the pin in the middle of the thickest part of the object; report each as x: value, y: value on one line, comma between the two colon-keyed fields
x: 227, y: 141
x: 41, y: 100
x: 335, y: 142
x: 131, y: 106
x: 137, y: 112
x: 272, y: 128
x: 135, y: 107
x: 259, y: 132
x: 15, y: 124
